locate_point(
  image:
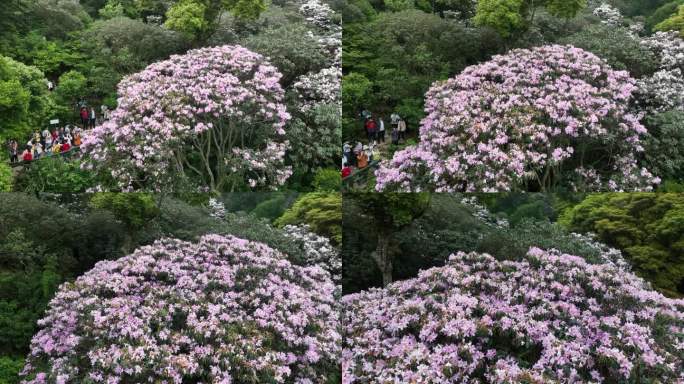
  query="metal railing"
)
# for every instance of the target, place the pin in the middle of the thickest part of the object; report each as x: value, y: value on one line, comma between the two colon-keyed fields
x: 66, y: 154
x: 358, y: 180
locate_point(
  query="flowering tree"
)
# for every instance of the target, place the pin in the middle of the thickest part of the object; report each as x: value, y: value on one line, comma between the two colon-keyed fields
x: 664, y: 90
x: 317, y: 249
x: 608, y: 14
x: 223, y: 310
x: 316, y: 129
x: 547, y: 318
x: 213, y: 114
x: 547, y: 117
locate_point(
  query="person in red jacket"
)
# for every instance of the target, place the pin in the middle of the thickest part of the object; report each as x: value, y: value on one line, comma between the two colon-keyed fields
x: 65, y: 146
x: 27, y: 155
x: 371, y: 129
x: 84, y: 117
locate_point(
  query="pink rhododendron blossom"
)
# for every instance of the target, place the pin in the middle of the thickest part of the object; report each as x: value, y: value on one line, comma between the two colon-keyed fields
x: 222, y: 310
x: 535, y: 119
x: 549, y: 318
x: 198, y: 115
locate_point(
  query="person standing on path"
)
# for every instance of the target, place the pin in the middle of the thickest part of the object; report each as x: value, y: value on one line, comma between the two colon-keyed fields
x: 84, y: 117
x: 13, y: 151
x: 402, y: 129
x: 394, y: 119
x: 371, y: 129
x: 93, y: 117
x: 381, y: 130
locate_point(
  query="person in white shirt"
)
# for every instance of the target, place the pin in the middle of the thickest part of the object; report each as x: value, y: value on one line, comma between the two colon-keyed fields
x: 402, y: 129
x: 381, y: 130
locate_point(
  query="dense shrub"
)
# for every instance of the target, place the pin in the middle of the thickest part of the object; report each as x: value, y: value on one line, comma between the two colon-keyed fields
x: 618, y: 47
x: 548, y: 317
x: 546, y: 118
x: 321, y: 211
x: 327, y: 180
x: 6, y: 177
x: 213, y: 115
x: 223, y: 309
x: 24, y: 99
x: 648, y: 228
x: 664, y: 148
x: 55, y: 174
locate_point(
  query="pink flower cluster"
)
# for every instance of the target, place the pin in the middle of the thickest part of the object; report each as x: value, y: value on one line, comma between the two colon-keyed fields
x: 210, y: 100
x: 223, y: 310
x: 528, y: 117
x: 548, y: 318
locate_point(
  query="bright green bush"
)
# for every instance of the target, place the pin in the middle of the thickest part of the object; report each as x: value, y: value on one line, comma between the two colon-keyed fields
x: 54, y: 174
x: 5, y: 176
x: 9, y: 369
x: 327, y: 180
x: 24, y: 99
x: 321, y: 211
x: 135, y: 210
x: 274, y: 207
x: 647, y: 227
x: 674, y: 22
x: 662, y: 13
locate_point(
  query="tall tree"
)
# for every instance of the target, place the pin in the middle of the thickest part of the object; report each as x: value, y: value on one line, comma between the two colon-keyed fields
x: 389, y: 213
x: 198, y: 19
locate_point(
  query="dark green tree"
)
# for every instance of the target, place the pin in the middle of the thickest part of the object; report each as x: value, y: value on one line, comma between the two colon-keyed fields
x: 388, y: 213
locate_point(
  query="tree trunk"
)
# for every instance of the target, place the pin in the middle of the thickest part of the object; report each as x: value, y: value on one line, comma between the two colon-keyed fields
x: 383, y: 259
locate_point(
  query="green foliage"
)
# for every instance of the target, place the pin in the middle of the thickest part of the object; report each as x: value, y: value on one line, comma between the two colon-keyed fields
x: 23, y: 99
x: 112, y: 10
x: 398, y: 5
x: 187, y: 17
x: 54, y: 174
x: 391, y: 61
x: 71, y: 87
x: 275, y: 206
x: 198, y: 19
x: 245, y: 9
x: 615, y: 45
x: 664, y: 148
x: 354, y: 10
x: 9, y: 369
x: 50, y: 56
x: 321, y: 211
x: 510, y: 17
x: 647, y: 227
x: 662, y: 13
x: 566, y: 9
x: 135, y: 210
x: 291, y: 48
x: 391, y: 211
x: 327, y: 180
x: 314, y: 138
x: 58, y: 18
x: 129, y: 45
x: 639, y: 7
x: 504, y: 16
x: 674, y: 22
x: 5, y: 177
x: 355, y: 91
x: 28, y: 280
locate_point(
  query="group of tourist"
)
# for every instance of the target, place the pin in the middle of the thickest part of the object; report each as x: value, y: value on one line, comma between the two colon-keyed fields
x: 358, y: 156
x: 375, y: 127
x: 57, y: 141
x: 89, y: 116
x: 46, y: 143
